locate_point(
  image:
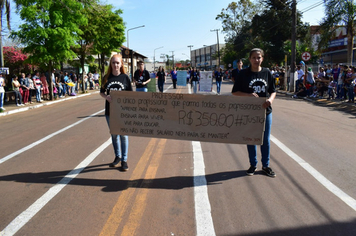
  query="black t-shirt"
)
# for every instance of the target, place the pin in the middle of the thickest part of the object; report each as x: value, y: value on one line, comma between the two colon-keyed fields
x: 141, y: 76
x: 160, y: 75
x: 234, y: 73
x: 73, y: 77
x: 118, y: 83
x: 194, y: 76
x: 219, y: 75
x: 261, y: 83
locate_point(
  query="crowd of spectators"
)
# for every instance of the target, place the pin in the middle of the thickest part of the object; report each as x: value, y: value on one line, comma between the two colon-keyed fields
x: 330, y: 83
x: 28, y: 87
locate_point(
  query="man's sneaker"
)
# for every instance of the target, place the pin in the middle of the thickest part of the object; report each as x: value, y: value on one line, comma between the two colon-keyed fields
x: 269, y: 171
x: 116, y: 162
x: 251, y: 170
x: 124, y: 166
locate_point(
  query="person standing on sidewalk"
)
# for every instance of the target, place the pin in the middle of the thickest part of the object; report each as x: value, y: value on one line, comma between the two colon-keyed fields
x: 2, y: 93
x: 141, y: 78
x: 38, y: 85
x: 257, y: 81
x: 16, y: 87
x: 25, y: 88
x: 116, y: 79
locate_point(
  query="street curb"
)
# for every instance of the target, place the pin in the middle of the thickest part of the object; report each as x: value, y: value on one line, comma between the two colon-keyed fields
x: 5, y: 113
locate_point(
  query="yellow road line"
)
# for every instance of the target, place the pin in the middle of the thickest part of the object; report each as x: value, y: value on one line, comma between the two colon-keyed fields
x: 139, y: 205
x: 115, y: 217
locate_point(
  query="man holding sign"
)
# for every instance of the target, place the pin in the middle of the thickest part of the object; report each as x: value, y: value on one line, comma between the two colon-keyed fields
x: 256, y: 81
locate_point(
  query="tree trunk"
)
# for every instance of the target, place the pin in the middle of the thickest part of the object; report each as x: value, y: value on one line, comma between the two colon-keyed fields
x: 350, y: 45
x: 51, y: 97
x: 82, y: 62
x: 1, y: 51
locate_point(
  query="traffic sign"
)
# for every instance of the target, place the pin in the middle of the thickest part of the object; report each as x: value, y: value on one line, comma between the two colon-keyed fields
x: 306, y: 56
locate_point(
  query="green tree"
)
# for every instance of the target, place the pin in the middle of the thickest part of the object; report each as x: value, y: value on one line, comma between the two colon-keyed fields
x: 339, y: 13
x: 274, y: 26
x: 4, y: 6
x: 107, y: 29
x: 50, y: 31
x: 235, y: 16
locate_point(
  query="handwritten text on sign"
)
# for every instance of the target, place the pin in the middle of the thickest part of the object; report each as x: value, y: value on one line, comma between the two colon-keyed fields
x: 209, y: 118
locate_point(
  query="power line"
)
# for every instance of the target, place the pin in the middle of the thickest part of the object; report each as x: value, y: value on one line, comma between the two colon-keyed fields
x: 312, y: 6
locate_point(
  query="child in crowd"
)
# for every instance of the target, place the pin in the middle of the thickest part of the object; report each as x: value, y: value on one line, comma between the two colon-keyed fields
x: 332, y: 88
x: 301, y: 92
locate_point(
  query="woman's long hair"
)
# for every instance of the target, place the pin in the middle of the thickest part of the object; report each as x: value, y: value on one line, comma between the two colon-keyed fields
x: 109, y: 71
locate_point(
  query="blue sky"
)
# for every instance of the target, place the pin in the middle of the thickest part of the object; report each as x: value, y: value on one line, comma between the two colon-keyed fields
x: 174, y: 25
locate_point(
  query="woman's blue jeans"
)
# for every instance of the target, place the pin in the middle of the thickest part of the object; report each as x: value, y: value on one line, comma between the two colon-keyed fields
x: 2, y: 95
x: 120, y: 143
x: 160, y: 84
x: 195, y: 86
x: 265, y: 147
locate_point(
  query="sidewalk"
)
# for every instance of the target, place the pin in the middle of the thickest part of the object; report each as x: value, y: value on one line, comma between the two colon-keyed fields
x: 11, y: 108
x: 332, y: 104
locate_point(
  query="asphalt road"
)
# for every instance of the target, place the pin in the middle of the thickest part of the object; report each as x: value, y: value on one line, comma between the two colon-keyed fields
x: 55, y: 179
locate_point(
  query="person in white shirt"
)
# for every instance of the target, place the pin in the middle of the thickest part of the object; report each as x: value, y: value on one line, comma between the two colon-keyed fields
x: 96, y: 79
x: 300, y: 76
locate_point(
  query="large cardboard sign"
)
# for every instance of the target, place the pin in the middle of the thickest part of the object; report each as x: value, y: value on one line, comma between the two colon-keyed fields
x: 206, y: 81
x: 208, y: 118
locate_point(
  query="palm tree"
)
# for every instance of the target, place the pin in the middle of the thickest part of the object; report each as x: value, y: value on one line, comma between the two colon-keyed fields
x: 340, y: 13
x: 4, y: 5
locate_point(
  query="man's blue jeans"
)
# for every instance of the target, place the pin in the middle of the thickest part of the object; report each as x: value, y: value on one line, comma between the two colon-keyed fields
x: 340, y: 91
x: 120, y: 143
x: 265, y: 147
x: 141, y: 90
x: 218, y: 86
x: 38, y: 94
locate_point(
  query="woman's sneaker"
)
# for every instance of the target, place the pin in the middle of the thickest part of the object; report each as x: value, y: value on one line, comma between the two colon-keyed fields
x: 269, y: 171
x: 251, y: 170
x: 124, y: 166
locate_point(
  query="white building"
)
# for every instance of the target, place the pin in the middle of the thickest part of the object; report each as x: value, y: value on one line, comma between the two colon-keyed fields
x: 207, y: 57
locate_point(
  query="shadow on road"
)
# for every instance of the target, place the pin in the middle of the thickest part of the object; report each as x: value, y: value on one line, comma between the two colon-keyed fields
x: 113, y: 185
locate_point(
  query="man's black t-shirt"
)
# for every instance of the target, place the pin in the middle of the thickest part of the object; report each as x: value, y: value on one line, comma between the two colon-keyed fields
x: 141, y: 76
x: 117, y: 83
x: 262, y: 83
x: 234, y: 73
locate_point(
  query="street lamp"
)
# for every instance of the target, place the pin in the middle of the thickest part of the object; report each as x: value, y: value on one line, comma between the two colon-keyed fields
x: 128, y: 34
x: 131, y: 59
x: 154, y: 58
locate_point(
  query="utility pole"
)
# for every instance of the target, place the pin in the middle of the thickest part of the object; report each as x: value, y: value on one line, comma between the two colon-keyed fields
x: 172, y: 59
x: 190, y: 54
x: 293, y: 46
x: 217, y: 36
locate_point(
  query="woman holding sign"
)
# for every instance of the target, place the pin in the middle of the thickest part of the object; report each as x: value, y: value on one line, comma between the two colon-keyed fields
x: 116, y: 79
x: 256, y: 81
